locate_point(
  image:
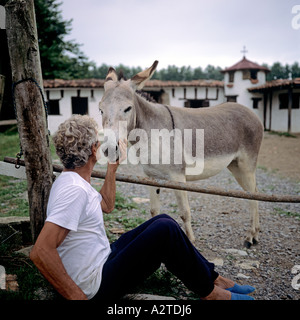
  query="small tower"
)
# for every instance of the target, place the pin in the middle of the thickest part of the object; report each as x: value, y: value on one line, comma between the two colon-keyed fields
x: 240, y: 77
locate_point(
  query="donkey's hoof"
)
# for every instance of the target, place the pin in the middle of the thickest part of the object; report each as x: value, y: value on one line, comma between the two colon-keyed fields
x: 247, y: 244
x: 255, y: 241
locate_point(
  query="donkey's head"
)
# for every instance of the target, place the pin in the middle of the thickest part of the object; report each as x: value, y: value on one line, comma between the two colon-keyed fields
x: 118, y: 105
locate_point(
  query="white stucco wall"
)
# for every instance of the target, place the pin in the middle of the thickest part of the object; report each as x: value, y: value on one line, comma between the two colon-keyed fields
x: 2, y: 17
x: 279, y: 121
x: 178, y: 99
x: 240, y: 87
x: 65, y: 105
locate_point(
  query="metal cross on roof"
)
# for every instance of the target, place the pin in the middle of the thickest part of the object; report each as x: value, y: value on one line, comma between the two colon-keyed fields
x: 244, y: 51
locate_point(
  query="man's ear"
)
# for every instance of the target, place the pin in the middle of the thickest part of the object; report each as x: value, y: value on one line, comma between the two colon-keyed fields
x: 138, y: 81
x: 94, y: 149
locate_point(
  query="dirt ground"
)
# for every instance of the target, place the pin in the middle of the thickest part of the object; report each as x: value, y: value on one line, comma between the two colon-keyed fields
x: 281, y: 155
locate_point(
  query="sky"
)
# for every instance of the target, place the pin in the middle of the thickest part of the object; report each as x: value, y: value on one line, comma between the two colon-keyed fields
x: 185, y: 32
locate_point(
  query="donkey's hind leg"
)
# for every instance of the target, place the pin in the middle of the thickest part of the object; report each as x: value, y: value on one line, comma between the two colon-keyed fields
x: 245, y: 176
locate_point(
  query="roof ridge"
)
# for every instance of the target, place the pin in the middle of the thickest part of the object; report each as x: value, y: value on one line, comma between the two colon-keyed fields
x: 245, y: 64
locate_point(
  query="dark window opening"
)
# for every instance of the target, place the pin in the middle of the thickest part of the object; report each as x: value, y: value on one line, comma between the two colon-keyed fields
x: 250, y: 74
x: 79, y: 105
x: 231, y: 98
x: 53, y: 107
x: 253, y: 74
x: 231, y: 76
x: 284, y: 100
x: 256, y: 102
x: 246, y: 74
x: 196, y: 103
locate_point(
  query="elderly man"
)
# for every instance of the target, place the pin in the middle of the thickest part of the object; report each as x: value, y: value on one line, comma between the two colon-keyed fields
x: 73, y: 252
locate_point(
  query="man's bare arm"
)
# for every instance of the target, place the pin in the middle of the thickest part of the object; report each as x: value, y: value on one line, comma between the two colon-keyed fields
x: 46, y: 258
x: 108, y: 190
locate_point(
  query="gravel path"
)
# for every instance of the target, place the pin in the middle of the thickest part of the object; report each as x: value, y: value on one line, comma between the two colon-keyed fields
x: 220, y: 224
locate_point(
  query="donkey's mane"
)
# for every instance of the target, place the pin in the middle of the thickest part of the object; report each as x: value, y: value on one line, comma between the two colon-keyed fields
x: 121, y: 76
x: 147, y: 96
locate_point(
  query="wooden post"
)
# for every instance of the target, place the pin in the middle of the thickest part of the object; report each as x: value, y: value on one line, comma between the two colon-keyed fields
x: 2, y: 83
x: 25, y: 63
x: 265, y: 109
x: 2, y: 77
x: 290, y: 103
x: 270, y: 105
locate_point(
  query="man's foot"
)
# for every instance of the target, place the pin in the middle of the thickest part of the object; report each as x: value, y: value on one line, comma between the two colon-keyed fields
x: 223, y: 294
x: 218, y: 294
x: 224, y: 283
x: 236, y: 296
x: 245, y: 289
x: 229, y: 285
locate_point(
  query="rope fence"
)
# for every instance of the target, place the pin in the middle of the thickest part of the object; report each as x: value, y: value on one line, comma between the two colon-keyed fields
x: 192, y: 187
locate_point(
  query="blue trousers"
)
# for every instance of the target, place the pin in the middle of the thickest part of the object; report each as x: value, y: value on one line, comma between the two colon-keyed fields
x: 140, y: 252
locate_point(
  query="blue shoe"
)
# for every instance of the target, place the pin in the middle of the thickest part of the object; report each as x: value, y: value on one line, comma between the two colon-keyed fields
x: 236, y: 296
x: 246, y: 289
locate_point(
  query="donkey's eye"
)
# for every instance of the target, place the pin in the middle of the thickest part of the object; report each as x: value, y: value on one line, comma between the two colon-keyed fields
x: 127, y: 109
x: 101, y: 112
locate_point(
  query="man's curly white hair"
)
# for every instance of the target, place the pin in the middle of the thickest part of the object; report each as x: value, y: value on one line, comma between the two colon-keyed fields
x: 74, y: 139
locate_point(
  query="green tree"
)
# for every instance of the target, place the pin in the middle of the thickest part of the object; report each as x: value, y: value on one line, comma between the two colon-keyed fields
x: 59, y: 58
x: 278, y: 71
x: 295, y: 69
x: 198, y: 73
x: 213, y: 73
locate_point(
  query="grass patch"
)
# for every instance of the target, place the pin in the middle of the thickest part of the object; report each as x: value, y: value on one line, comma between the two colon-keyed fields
x: 286, y: 213
x: 121, y: 218
x: 122, y: 203
x: 282, y: 134
x: 13, y: 191
x: 164, y: 283
x: 29, y: 279
x: 11, y: 201
x: 9, y: 144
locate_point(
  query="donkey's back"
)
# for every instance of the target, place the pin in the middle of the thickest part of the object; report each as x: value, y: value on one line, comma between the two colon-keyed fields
x: 227, y: 127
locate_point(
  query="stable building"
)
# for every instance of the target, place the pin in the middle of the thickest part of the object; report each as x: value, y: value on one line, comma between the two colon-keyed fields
x: 280, y: 101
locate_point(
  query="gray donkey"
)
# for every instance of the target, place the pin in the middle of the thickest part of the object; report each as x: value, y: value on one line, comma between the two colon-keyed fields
x: 232, y: 139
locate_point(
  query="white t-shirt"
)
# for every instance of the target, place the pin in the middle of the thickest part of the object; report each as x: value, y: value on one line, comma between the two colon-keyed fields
x: 75, y: 205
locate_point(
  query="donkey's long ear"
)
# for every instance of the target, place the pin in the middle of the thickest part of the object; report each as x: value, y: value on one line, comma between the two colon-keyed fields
x: 111, y: 76
x: 140, y: 79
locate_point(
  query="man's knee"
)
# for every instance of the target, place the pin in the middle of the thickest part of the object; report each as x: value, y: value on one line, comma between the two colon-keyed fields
x: 164, y: 216
x: 166, y: 224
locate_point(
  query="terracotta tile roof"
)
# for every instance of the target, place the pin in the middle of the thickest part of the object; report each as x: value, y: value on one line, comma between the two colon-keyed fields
x: 245, y: 64
x: 191, y: 83
x: 99, y: 83
x: 78, y: 83
x: 276, y: 84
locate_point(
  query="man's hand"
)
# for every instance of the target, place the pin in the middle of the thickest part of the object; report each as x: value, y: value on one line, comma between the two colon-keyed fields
x: 123, y: 150
x: 122, y: 157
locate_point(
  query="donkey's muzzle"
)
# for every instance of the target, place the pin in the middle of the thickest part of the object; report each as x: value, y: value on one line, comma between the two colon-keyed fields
x: 112, y: 153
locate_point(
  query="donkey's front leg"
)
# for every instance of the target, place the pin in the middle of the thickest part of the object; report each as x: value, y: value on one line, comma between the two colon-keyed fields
x: 185, y: 212
x: 154, y: 201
